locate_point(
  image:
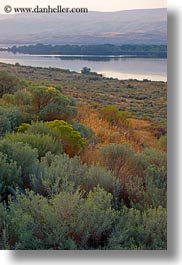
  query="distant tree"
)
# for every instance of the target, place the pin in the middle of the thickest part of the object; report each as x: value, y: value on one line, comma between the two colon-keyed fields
x: 85, y: 70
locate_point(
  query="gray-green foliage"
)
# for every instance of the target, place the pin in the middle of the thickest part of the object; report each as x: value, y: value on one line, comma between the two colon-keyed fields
x: 8, y: 83
x: 50, y: 104
x: 115, y: 156
x: 10, y: 118
x: 140, y: 230
x: 67, y: 221
x: 143, y: 176
x: 10, y: 177
x: 43, y: 143
x: 59, y: 173
x: 24, y: 156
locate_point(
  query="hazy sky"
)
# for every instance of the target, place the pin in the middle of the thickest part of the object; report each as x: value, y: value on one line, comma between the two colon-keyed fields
x: 100, y: 5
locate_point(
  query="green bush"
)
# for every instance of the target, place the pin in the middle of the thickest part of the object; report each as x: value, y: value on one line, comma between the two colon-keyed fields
x: 10, y: 177
x: 50, y: 104
x: 136, y: 230
x: 67, y: 221
x: 43, y: 143
x: 5, y: 125
x: 39, y: 127
x: 72, y: 141
x: 162, y: 143
x: 23, y: 97
x: 115, y: 117
x: 97, y: 175
x: 23, y: 127
x: 58, y: 173
x: 3, y: 228
x: 63, y: 133
x: 24, y: 156
x: 85, y: 131
x: 95, y: 219
x: 116, y: 156
x: 62, y: 173
x: 10, y: 118
x: 8, y: 83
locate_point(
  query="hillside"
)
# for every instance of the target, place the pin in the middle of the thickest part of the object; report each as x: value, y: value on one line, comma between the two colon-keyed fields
x: 133, y: 26
x: 82, y: 161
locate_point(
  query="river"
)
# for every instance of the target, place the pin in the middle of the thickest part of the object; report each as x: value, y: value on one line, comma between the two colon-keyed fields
x: 110, y: 66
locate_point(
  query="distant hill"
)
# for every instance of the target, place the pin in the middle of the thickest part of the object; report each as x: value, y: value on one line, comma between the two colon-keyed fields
x: 132, y: 26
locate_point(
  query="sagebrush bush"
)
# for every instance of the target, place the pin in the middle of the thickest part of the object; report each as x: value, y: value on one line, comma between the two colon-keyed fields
x: 139, y: 230
x: 10, y: 118
x: 115, y: 117
x: 67, y: 221
x: 43, y: 143
x: 39, y: 127
x: 62, y: 173
x: 116, y: 156
x: 8, y: 83
x: 24, y: 156
x: 49, y: 104
x: 10, y: 177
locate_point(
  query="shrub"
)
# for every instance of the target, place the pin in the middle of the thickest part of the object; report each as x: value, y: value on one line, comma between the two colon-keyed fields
x: 39, y: 127
x: 115, y: 117
x: 63, y: 133
x: 150, y: 157
x: 8, y: 83
x: 23, y: 97
x: 10, y: 118
x: 10, y: 177
x: 24, y: 156
x: 49, y: 104
x: 85, y: 70
x: 85, y: 131
x: 97, y: 175
x: 23, y: 127
x: 67, y: 221
x: 58, y: 173
x: 95, y: 219
x: 72, y: 141
x: 3, y: 228
x: 62, y: 173
x: 140, y: 230
x: 162, y: 143
x: 43, y: 143
x: 5, y: 125
x: 33, y: 224
x: 116, y: 156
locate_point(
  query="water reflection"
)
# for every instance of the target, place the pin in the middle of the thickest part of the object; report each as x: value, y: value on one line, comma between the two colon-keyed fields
x: 117, y: 67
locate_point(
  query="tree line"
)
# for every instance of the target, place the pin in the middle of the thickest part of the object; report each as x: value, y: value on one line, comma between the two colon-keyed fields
x: 140, y: 50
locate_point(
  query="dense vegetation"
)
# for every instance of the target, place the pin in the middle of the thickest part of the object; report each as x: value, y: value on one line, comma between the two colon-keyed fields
x: 82, y: 161
x: 139, y: 50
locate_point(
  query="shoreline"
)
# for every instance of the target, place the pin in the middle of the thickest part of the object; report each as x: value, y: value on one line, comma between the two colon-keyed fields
x: 79, y: 73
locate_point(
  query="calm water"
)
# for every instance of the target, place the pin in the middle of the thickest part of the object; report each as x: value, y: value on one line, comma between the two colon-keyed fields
x: 117, y: 67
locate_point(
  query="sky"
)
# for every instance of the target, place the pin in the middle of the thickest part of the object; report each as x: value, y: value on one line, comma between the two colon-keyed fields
x: 98, y: 5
